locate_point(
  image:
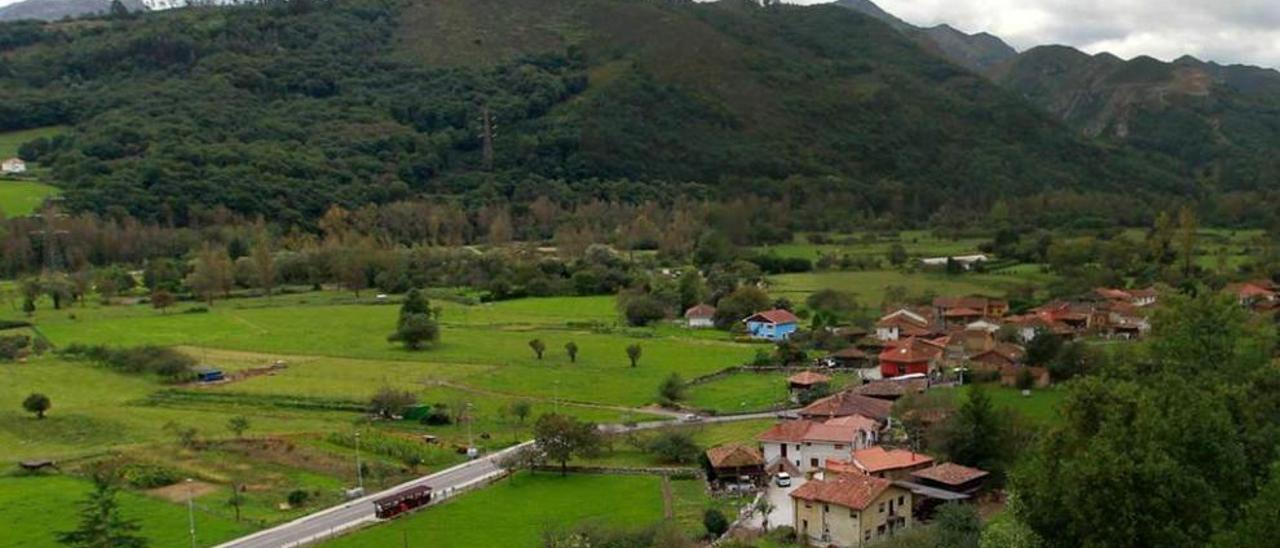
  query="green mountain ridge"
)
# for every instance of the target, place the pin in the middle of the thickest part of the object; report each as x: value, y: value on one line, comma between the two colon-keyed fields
x: 283, y: 109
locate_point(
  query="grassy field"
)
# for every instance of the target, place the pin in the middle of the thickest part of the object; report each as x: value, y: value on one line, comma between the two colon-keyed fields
x: 475, y: 348
x: 870, y: 285
x: 1041, y: 406
x: 516, y: 511
x: 18, y: 198
x: 747, y: 392
x: 11, y: 140
x: 34, y: 521
x: 918, y: 243
x: 626, y: 454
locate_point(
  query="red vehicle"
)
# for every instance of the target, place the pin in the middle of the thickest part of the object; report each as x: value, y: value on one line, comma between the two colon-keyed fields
x: 404, y: 501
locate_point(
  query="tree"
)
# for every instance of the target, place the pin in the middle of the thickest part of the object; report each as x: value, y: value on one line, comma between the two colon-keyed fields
x: 671, y: 391
x: 101, y: 524
x: 572, y: 349
x: 643, y: 310
x: 162, y: 299
x: 525, y: 458
x: 212, y: 273
x: 264, y: 265
x: 1042, y: 349
x: 958, y: 525
x: 238, y: 425
x: 415, y: 330
x: 763, y: 507
x: 237, y: 499
x: 388, y: 402
x: 118, y: 10
x: 897, y: 254
x: 714, y: 522
x: 37, y: 403
x: 521, y: 409
x: 186, y: 436
x: 977, y: 433
x: 692, y: 288
x: 562, y: 437
x: 1259, y: 524
x: 633, y: 354
x: 538, y: 347
x: 674, y: 446
x: 742, y: 302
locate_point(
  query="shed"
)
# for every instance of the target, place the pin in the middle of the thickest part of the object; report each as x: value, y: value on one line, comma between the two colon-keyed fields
x: 209, y: 374
x: 734, y: 460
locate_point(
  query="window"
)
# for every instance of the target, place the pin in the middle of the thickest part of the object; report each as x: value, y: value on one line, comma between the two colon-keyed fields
x: 807, y: 505
x: 853, y: 514
x: 839, y: 446
x: 882, y: 508
x: 867, y: 535
x: 813, y: 463
x: 879, y: 530
x: 901, y: 498
x: 825, y: 508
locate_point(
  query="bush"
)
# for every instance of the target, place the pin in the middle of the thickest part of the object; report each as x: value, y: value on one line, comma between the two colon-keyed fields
x: 200, y: 309
x: 714, y: 522
x: 644, y: 310
x: 674, y: 447
x: 13, y: 347
x: 148, y: 476
x: 165, y: 362
x: 298, y: 497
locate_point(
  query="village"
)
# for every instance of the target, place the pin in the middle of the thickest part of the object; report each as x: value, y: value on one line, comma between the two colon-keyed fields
x: 841, y: 471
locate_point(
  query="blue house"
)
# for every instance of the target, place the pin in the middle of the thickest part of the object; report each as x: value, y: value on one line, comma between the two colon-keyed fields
x: 773, y: 325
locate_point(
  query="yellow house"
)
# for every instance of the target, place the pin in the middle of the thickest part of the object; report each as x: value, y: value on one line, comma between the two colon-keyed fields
x: 850, y: 510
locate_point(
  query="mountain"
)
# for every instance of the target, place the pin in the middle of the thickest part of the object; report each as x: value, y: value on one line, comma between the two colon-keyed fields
x: 285, y: 108
x: 53, y: 10
x: 1220, y: 121
x: 977, y: 52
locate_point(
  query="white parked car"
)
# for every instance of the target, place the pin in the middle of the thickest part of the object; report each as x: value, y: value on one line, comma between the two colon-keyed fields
x: 783, y: 479
x: 691, y: 418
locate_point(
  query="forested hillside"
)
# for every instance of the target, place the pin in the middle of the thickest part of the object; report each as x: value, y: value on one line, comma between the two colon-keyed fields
x: 1222, y: 122
x: 283, y: 109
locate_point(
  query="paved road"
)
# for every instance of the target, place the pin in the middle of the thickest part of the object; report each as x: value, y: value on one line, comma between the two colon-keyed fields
x: 327, y: 523
x: 356, y: 512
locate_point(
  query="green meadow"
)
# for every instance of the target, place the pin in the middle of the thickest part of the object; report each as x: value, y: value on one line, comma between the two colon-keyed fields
x: 516, y: 511
x: 35, y: 509
x: 19, y: 198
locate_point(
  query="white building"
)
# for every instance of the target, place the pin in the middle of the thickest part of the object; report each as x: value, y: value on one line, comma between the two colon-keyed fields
x: 13, y: 165
x: 807, y: 444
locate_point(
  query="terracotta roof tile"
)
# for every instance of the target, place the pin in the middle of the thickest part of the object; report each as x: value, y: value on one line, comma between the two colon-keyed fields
x: 808, y: 378
x: 849, y: 490
x: 950, y: 473
x: 848, y: 403
x: 878, y: 459
x: 776, y: 316
x: 700, y: 311
x: 734, y: 455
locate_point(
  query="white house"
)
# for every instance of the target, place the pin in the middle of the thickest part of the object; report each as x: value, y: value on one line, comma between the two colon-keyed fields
x: 808, y: 444
x: 901, y: 323
x: 13, y: 165
x: 701, y: 316
x: 965, y: 261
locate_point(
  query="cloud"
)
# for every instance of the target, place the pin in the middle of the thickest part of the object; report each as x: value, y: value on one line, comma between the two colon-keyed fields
x: 1226, y: 31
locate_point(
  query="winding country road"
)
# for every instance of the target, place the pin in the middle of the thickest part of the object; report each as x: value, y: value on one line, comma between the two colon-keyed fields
x: 329, y: 522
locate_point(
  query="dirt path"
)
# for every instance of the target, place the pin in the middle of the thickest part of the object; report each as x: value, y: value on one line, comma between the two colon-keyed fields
x: 668, y: 501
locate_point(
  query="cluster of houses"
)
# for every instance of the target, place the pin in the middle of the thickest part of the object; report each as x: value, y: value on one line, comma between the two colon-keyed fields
x: 1262, y: 296
x: 849, y: 489
x: 13, y: 166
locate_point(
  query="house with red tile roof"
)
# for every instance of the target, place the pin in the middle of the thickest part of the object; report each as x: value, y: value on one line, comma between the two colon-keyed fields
x: 735, y: 460
x: 700, y: 316
x: 772, y: 325
x: 806, y: 444
x: 914, y: 356
x: 889, y: 463
x: 850, y: 510
x: 847, y: 403
x: 951, y: 477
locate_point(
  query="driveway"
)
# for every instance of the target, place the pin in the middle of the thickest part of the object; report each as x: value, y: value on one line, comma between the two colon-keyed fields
x: 782, y: 513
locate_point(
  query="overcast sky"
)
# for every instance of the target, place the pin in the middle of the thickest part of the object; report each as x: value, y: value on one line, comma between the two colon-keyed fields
x: 1226, y: 31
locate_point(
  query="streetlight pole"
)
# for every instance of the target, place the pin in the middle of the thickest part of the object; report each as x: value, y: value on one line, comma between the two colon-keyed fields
x: 191, y: 513
x: 359, y: 470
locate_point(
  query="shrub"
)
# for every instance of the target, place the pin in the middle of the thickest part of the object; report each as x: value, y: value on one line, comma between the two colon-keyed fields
x: 298, y: 497
x: 715, y: 522
x: 13, y: 347
x: 148, y: 476
x: 165, y: 362
x: 674, y: 447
